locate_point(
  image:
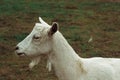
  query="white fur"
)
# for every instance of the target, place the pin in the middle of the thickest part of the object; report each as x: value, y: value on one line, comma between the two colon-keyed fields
x: 90, y: 40
x: 34, y: 62
x: 49, y: 65
x: 66, y: 63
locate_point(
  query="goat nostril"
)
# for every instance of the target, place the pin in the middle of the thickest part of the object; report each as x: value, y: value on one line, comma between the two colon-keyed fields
x: 16, y: 48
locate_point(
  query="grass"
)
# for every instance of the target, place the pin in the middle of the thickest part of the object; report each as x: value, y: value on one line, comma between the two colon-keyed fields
x: 78, y: 21
x: 20, y: 37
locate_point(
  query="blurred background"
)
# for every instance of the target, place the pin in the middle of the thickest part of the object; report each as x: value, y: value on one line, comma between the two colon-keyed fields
x: 78, y: 20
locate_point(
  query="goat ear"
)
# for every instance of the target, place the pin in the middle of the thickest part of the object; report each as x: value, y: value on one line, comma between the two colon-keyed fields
x: 53, y: 29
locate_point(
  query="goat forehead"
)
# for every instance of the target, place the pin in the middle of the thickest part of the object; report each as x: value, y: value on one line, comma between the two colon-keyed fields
x: 40, y: 30
x: 40, y: 27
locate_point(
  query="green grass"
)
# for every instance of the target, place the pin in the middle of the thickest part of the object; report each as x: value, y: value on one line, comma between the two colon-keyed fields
x: 78, y: 20
x: 1, y: 39
x: 20, y: 37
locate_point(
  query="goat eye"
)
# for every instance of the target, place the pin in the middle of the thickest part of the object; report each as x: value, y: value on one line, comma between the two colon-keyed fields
x: 36, y: 37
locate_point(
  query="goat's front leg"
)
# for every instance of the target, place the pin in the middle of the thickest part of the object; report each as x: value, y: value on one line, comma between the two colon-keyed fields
x: 34, y: 62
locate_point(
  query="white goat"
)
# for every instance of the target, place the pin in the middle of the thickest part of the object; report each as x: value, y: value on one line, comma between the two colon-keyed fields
x: 47, y: 40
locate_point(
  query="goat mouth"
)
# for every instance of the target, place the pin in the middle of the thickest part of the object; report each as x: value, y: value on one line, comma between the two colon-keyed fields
x: 21, y: 54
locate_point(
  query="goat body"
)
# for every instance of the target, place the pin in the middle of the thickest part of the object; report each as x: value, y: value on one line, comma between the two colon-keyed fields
x: 47, y: 40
